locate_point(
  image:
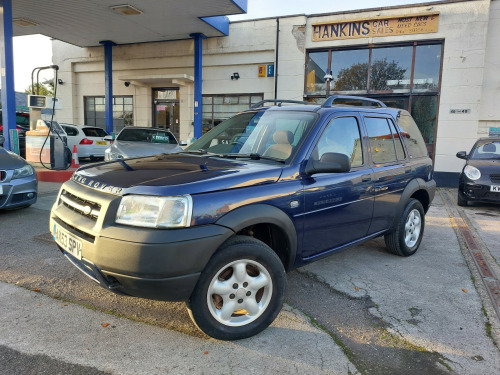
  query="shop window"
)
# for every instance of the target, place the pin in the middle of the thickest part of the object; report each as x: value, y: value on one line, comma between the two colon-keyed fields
x: 391, y: 69
x: 317, y: 66
x: 217, y: 108
x: 424, y: 112
x: 427, y: 68
x: 350, y: 70
x: 95, y: 112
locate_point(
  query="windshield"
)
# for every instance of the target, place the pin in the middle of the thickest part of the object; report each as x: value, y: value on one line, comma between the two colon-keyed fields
x: 265, y: 134
x: 486, y: 150
x: 147, y: 135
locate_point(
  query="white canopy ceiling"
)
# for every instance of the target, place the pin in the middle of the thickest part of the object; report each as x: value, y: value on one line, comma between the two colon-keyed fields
x: 87, y: 22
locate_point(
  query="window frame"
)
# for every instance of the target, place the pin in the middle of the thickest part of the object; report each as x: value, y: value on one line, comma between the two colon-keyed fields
x: 94, y: 123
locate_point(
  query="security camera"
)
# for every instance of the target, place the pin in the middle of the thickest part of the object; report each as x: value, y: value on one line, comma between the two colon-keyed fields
x: 127, y: 84
x: 328, y: 77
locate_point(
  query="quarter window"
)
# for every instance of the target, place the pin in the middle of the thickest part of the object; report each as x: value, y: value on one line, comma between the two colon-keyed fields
x: 413, y: 139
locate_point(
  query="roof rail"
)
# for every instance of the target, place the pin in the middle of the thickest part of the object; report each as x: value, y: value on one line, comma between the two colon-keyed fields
x: 365, y: 102
x: 278, y: 102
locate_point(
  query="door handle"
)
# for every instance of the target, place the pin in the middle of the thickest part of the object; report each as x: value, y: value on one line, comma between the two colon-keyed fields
x: 366, y: 178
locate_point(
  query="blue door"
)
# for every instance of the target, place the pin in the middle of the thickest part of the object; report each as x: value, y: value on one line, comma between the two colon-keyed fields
x: 338, y: 206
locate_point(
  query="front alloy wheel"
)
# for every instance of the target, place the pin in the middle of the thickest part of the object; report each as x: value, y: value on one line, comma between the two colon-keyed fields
x: 241, y: 290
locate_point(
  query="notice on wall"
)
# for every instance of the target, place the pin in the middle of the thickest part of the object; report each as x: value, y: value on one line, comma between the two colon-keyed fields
x: 376, y: 27
x: 494, y: 132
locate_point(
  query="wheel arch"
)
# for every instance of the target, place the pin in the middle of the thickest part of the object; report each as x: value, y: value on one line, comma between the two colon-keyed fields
x: 416, y: 189
x: 244, y: 219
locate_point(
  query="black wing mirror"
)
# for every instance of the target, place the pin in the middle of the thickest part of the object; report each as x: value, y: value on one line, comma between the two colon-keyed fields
x: 462, y: 154
x: 331, y: 162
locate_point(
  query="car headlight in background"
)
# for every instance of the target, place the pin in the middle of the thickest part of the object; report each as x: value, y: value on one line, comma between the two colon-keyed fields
x: 110, y: 155
x: 472, y: 172
x: 155, y: 212
x: 25, y: 171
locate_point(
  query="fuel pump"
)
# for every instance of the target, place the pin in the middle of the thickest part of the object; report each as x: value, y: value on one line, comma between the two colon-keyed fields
x: 46, y: 141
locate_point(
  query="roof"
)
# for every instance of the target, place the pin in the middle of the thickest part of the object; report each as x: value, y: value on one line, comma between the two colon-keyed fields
x: 86, y: 23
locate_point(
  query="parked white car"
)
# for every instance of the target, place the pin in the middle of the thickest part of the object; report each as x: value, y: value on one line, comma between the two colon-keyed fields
x: 89, y: 140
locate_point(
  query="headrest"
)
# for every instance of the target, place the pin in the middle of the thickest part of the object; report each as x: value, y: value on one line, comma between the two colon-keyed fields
x: 489, y: 147
x: 283, y: 137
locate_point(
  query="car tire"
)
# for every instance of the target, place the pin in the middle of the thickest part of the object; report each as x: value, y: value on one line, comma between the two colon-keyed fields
x: 240, y: 292
x: 405, y: 238
x: 461, y: 201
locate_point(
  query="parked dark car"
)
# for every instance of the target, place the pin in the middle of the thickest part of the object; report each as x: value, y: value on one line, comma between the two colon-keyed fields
x: 18, y: 182
x: 268, y: 190
x: 22, y: 126
x: 480, y: 177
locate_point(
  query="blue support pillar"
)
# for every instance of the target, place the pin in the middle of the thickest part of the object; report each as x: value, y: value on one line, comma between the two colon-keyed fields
x: 198, y: 81
x: 7, y: 65
x: 108, y: 90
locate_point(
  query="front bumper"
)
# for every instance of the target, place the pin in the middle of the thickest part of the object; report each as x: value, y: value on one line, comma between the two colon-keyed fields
x: 161, y: 264
x: 19, y: 192
x: 477, y: 192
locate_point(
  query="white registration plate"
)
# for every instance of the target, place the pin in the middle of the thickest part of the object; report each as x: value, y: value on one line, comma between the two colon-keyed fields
x: 68, y: 242
x: 495, y: 188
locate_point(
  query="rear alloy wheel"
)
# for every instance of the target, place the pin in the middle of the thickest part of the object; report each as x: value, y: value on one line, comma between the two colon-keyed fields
x: 240, y: 292
x: 405, y: 239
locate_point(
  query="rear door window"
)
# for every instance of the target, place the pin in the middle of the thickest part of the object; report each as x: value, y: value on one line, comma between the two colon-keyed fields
x: 94, y: 132
x: 381, y: 140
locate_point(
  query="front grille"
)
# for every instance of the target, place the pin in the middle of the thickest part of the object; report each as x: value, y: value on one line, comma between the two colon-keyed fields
x: 3, y: 175
x: 82, y: 206
x: 495, y: 178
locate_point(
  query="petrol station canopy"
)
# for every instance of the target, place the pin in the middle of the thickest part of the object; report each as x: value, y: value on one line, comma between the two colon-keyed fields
x: 85, y: 23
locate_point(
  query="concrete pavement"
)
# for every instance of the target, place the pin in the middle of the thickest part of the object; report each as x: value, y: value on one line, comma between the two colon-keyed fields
x: 434, y: 303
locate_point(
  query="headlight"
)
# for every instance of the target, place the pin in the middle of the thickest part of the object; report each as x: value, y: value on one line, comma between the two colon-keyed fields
x: 25, y: 171
x: 472, y: 172
x: 155, y: 212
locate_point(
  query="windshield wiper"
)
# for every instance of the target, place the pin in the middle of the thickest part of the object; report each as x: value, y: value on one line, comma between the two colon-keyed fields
x: 253, y: 156
x: 200, y: 151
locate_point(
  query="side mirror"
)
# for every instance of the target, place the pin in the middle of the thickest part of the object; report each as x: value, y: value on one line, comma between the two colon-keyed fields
x: 2, y: 139
x: 331, y: 162
x: 462, y: 155
x: 183, y: 143
x: 108, y: 138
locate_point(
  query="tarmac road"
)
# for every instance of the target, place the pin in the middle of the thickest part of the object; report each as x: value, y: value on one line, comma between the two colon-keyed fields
x: 359, y: 311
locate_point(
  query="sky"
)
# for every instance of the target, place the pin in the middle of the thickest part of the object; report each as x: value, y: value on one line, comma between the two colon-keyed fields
x: 36, y: 50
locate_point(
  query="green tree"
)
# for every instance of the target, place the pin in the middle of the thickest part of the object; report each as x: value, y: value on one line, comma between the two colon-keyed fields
x: 352, y: 78
x: 45, y: 88
x: 355, y: 77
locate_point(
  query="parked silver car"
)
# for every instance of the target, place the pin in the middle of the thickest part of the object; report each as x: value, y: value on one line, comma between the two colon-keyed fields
x: 136, y: 141
x: 18, y: 183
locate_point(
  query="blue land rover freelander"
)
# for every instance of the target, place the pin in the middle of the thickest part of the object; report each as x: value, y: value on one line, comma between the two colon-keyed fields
x: 273, y: 188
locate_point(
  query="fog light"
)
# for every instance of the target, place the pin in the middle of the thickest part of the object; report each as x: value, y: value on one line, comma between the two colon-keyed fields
x: 30, y: 195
